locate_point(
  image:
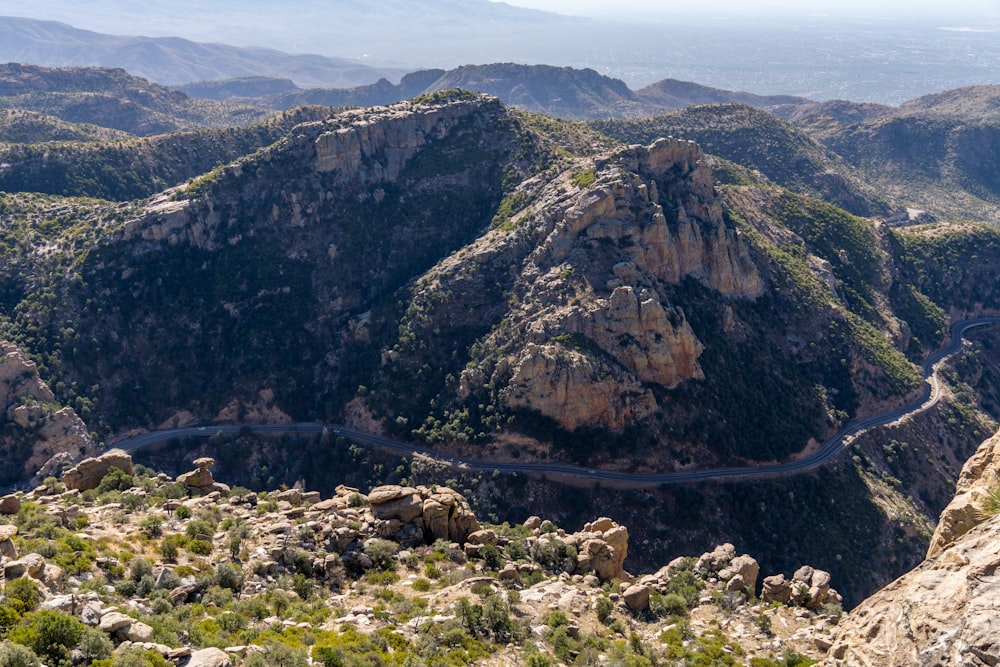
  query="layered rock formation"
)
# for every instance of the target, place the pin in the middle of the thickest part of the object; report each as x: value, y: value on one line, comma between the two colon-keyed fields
x: 42, y: 429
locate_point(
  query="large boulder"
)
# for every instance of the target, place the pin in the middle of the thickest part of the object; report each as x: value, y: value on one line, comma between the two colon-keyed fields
x: 636, y: 597
x: 979, y: 475
x: 88, y: 473
x: 402, y: 503
x: 776, y: 589
x: 7, y: 548
x: 32, y: 565
x: 10, y: 504
x: 717, y: 559
x: 447, y: 515
x: 741, y: 573
x: 209, y: 657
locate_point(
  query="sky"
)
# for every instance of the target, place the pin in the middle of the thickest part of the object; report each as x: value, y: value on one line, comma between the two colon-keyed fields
x: 986, y: 9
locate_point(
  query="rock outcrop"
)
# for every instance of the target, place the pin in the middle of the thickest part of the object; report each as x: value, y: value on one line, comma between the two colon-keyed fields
x: 88, y: 473
x: 980, y: 475
x: 941, y: 613
x: 576, y: 389
x: 200, y: 479
x: 42, y: 429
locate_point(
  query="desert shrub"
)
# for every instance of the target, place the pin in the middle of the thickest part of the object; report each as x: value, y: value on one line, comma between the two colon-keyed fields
x: 671, y: 604
x: 115, y: 480
x: 199, y: 529
x: 200, y: 547
x: 492, y: 557
x: 278, y: 655
x: 23, y: 595
x: 51, y: 635
x: 94, y: 645
x: 604, y: 609
x: 381, y: 552
x: 137, y: 657
x: 15, y: 655
x: 229, y: 576
x: 139, y: 568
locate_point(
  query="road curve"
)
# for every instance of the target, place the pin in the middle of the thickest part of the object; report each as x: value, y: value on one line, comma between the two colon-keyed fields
x: 577, y: 474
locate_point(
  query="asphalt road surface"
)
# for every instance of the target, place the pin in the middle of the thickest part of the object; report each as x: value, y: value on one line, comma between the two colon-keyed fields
x: 580, y: 475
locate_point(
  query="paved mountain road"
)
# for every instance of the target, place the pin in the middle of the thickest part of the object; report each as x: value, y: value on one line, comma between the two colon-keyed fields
x: 580, y: 475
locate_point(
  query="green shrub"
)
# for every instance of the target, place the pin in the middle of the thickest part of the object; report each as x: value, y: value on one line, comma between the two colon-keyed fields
x: 16, y: 655
x: 115, y: 480
x: 23, y: 595
x: 51, y: 635
x: 604, y: 608
x: 381, y: 552
x: 183, y: 512
x: 94, y: 645
x: 199, y: 547
x: 199, y: 529
x: 229, y: 576
x: 492, y: 557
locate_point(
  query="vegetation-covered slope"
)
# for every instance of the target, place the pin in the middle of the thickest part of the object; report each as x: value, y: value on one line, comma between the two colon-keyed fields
x: 757, y: 140
x: 113, y: 99
x: 133, y: 167
x: 936, y: 153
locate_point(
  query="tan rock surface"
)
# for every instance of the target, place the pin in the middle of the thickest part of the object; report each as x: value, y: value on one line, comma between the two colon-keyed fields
x: 576, y: 389
x: 944, y: 612
x: 43, y: 427
x: 979, y: 474
x: 87, y: 474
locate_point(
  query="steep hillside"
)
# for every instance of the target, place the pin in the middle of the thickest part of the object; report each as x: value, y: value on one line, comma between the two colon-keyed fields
x: 565, y: 92
x: 560, y: 91
x: 190, y: 571
x: 936, y: 154
x: 757, y: 140
x: 505, y: 285
x: 20, y: 127
x: 443, y: 246
x: 113, y: 99
x: 131, y: 167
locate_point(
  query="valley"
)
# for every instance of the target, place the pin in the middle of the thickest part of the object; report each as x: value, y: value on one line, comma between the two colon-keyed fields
x: 713, y: 316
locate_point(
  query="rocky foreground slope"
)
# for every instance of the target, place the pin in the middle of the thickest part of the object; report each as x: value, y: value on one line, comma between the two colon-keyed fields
x: 117, y: 565
x: 138, y: 568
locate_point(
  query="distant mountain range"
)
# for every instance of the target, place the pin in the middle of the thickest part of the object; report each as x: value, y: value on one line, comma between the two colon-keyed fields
x: 171, y: 60
x: 559, y: 91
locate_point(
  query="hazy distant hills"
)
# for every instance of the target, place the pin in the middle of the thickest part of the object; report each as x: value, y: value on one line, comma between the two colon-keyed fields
x: 114, y: 99
x: 558, y: 91
x: 171, y: 60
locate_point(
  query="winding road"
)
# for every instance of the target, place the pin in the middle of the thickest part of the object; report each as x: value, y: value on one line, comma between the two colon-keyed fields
x: 580, y: 475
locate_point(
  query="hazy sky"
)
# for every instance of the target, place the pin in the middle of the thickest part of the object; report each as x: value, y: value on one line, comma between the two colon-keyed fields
x: 986, y: 9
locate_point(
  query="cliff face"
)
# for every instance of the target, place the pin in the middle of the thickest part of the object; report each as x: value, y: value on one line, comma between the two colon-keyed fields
x: 980, y: 475
x: 34, y: 428
x: 590, y: 326
x: 944, y: 611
